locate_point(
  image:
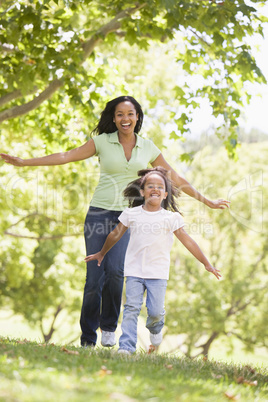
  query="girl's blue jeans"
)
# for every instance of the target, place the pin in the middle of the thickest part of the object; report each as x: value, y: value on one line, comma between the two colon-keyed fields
x: 103, y: 287
x: 155, y: 299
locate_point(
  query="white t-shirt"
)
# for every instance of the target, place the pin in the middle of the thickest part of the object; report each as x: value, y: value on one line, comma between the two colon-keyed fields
x: 151, y: 238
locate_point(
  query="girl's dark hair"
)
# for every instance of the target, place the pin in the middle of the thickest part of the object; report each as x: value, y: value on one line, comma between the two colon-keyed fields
x: 106, y: 123
x: 134, y: 197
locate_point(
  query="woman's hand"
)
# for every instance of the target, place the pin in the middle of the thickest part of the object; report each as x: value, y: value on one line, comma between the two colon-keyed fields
x: 213, y: 270
x: 13, y: 160
x: 98, y: 256
x: 218, y: 204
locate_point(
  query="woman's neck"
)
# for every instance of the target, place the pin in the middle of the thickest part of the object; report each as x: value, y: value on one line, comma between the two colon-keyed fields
x: 126, y: 138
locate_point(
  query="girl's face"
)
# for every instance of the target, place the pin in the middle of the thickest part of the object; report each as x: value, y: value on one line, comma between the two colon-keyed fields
x: 125, y: 117
x: 154, y: 191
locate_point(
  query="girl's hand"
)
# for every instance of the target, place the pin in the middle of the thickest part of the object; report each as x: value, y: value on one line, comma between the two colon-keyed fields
x: 13, y: 160
x: 96, y: 256
x: 213, y: 270
x: 218, y: 204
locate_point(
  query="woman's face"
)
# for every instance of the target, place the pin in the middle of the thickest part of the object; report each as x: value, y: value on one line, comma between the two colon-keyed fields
x: 125, y: 117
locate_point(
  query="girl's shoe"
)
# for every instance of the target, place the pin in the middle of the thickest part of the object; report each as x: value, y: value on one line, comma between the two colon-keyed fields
x: 156, y: 339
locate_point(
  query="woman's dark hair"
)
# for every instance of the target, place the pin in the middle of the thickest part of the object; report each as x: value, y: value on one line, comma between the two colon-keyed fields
x: 106, y: 123
x: 134, y: 197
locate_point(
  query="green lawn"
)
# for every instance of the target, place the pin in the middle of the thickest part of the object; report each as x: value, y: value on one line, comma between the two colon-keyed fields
x: 14, y: 326
x: 30, y: 371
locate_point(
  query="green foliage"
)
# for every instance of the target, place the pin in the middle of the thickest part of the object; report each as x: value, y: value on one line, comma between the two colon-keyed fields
x: 53, y: 75
x: 42, y: 247
x: 68, y: 373
x: 60, y: 62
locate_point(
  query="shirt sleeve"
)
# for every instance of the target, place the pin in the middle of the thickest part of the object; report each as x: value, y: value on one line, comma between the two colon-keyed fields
x: 155, y: 151
x: 177, y: 222
x: 124, y: 218
x: 98, y: 141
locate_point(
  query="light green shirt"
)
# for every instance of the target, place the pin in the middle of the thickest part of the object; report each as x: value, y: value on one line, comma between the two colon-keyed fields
x: 116, y: 172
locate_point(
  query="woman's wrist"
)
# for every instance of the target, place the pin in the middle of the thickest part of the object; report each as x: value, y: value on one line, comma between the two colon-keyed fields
x: 207, y: 202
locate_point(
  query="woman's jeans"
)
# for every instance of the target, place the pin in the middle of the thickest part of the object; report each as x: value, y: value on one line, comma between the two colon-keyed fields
x: 135, y: 288
x: 103, y: 288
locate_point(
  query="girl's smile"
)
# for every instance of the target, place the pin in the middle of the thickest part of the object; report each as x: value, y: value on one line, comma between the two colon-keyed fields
x: 154, y: 192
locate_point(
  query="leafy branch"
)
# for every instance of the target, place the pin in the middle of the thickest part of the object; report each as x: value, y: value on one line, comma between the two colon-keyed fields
x: 52, y: 237
x: 87, y: 47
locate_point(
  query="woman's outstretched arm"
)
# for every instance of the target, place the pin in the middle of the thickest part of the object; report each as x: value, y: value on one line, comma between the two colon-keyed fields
x: 187, y: 188
x: 77, y: 154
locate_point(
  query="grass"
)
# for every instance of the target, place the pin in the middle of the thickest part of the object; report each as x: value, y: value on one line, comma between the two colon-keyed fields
x: 30, y: 371
x: 11, y: 324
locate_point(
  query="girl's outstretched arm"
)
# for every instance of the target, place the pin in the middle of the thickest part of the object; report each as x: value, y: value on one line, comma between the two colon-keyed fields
x: 110, y: 241
x: 77, y: 154
x: 187, y: 188
x: 193, y: 247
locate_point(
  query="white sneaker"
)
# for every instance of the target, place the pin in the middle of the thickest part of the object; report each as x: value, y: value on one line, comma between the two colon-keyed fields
x: 124, y: 352
x: 156, y: 339
x: 108, y: 338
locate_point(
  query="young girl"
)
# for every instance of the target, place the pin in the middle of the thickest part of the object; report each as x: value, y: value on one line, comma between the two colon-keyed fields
x: 148, y: 253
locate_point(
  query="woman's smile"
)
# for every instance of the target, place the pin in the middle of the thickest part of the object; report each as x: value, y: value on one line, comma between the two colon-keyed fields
x: 125, y: 117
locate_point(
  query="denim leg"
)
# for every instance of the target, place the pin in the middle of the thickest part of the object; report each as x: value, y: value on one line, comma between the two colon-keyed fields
x: 113, y: 284
x: 156, y: 291
x: 103, y: 287
x: 134, y: 297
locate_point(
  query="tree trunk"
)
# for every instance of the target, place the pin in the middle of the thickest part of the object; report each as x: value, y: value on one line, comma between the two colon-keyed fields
x: 207, y: 345
x: 48, y: 335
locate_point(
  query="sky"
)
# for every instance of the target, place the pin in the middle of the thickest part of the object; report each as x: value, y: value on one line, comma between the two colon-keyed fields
x: 255, y: 114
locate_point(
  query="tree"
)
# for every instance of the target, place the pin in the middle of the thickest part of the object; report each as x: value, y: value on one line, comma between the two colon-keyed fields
x: 237, y: 244
x: 57, y: 55
x: 60, y: 62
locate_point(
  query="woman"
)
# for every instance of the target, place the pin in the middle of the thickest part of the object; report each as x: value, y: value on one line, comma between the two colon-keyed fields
x: 121, y: 154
